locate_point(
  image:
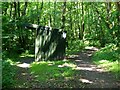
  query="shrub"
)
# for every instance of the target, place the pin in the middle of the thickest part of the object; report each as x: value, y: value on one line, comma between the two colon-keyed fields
x: 108, y: 58
x: 8, y: 73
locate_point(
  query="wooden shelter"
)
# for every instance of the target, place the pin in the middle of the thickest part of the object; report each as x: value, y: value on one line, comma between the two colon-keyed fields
x: 50, y: 44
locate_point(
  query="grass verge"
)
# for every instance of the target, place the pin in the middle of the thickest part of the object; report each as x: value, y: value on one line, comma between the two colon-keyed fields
x: 56, y: 74
x: 108, y: 58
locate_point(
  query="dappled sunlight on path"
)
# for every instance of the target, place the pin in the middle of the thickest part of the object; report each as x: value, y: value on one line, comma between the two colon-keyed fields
x: 25, y: 62
x: 88, y: 74
x: 23, y: 77
x: 92, y: 75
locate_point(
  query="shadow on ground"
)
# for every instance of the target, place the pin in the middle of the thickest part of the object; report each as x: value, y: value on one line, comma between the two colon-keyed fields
x: 92, y: 75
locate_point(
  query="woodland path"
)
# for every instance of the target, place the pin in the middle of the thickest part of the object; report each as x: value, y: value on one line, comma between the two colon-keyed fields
x: 90, y: 74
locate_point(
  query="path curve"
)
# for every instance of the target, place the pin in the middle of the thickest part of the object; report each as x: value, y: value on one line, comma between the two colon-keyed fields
x: 92, y: 75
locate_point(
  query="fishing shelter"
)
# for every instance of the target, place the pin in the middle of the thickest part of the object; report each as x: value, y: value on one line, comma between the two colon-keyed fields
x: 50, y: 44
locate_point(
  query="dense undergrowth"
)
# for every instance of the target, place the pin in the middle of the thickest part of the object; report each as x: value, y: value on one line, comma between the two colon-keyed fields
x: 79, y: 45
x: 57, y: 73
x: 108, y: 57
x: 8, y: 73
x: 75, y: 46
x: 9, y: 68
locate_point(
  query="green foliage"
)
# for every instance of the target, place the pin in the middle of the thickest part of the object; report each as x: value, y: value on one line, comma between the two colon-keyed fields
x: 75, y: 46
x: 53, y: 70
x: 91, y: 42
x: 27, y: 53
x: 109, y: 58
x: 8, y: 74
x: 94, y: 24
x: 110, y: 52
x: 100, y: 26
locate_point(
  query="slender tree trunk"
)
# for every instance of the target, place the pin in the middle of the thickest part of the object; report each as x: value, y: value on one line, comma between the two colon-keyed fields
x: 11, y: 5
x: 101, y: 31
x: 63, y: 15
x: 82, y: 22
x: 15, y: 12
x: 18, y: 9
x: 5, y: 9
x: 40, y: 12
x: 78, y: 7
x: 50, y: 17
x: 118, y: 19
x: 71, y: 16
x: 38, y: 18
x: 108, y: 5
x: 76, y: 20
x: 54, y: 23
x: 24, y: 10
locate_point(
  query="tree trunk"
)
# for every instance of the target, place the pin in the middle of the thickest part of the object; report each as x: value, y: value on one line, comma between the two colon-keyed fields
x: 78, y: 7
x: 118, y: 19
x: 54, y: 23
x: 71, y: 16
x: 40, y: 13
x: 18, y: 9
x: 50, y: 18
x: 38, y: 18
x: 82, y: 22
x: 108, y: 5
x: 24, y: 10
x: 63, y: 15
x: 11, y: 9
x: 15, y: 13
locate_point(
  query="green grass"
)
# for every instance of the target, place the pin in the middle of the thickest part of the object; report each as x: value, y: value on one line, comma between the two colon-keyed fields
x: 48, y: 70
x: 55, y: 72
x: 26, y: 54
x: 9, y: 67
x: 108, y: 58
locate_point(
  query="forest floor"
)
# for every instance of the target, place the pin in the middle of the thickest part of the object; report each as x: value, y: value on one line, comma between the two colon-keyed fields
x: 91, y: 76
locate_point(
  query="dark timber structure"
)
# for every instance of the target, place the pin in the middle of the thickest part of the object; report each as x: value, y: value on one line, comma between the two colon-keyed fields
x: 50, y: 43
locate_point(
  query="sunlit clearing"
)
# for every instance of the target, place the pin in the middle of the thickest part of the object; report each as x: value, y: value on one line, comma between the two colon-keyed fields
x: 27, y: 55
x: 91, y: 48
x: 109, y: 65
x: 103, y: 61
x: 65, y: 60
x: 50, y: 70
x: 67, y: 65
x: 84, y: 68
x: 78, y: 60
x: 44, y: 62
x: 85, y: 80
x: 24, y: 65
x: 90, y: 69
x: 72, y: 56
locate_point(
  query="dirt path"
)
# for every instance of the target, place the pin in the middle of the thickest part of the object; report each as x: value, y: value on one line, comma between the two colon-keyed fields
x: 91, y: 74
x: 23, y: 77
